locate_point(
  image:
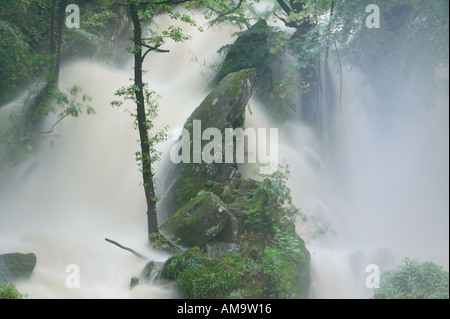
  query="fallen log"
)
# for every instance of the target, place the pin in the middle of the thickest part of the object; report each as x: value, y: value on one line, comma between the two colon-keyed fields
x: 126, y: 248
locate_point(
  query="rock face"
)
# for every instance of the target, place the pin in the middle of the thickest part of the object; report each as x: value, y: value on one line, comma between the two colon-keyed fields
x: 240, y: 233
x: 252, y: 49
x: 202, y: 219
x: 223, y: 108
x: 16, y: 266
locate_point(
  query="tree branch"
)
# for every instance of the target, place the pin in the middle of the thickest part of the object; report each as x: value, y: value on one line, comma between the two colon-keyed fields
x: 222, y: 14
x: 284, y: 6
x: 46, y: 132
x: 126, y: 248
x: 150, y: 49
x: 141, y: 4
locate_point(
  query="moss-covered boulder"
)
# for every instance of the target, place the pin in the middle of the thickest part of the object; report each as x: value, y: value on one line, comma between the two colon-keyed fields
x: 199, y: 221
x: 240, y: 233
x: 223, y: 108
x: 253, y: 48
x: 16, y: 266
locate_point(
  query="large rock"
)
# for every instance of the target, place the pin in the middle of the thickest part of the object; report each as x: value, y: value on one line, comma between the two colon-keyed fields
x: 199, y: 221
x: 213, y: 209
x: 223, y: 108
x: 16, y: 266
x: 252, y: 49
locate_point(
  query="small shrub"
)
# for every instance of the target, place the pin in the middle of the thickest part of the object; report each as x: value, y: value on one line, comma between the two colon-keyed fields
x: 9, y: 291
x: 414, y: 280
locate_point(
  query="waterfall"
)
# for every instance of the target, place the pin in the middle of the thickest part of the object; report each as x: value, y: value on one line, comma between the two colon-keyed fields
x: 371, y: 196
x: 84, y: 185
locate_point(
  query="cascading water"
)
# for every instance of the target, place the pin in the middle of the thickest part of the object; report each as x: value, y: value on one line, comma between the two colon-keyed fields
x: 85, y: 186
x: 381, y: 192
x: 372, y: 200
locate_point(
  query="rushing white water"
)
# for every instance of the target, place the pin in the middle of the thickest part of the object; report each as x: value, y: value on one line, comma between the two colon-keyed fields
x: 86, y: 186
x: 373, y: 199
x: 373, y: 192
x: 382, y: 189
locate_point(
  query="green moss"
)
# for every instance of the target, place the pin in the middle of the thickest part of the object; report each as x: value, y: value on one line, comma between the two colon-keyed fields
x: 218, y: 189
x: 198, y: 221
x: 208, y: 281
x: 191, y: 182
x: 228, y: 195
x: 272, y: 261
x: 284, y: 264
x: 239, y: 78
x: 158, y: 241
x: 252, y: 49
x: 17, y: 265
x: 257, y: 218
x: 177, y: 264
x: 197, y: 277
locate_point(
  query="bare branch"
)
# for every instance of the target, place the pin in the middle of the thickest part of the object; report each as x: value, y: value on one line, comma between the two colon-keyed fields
x: 284, y: 6
x: 46, y: 132
x: 126, y: 248
x: 150, y: 49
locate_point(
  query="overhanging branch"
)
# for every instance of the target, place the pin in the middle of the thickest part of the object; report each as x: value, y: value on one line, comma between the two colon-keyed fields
x: 284, y: 6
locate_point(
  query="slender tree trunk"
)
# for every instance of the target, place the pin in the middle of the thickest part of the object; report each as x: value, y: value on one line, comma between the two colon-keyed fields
x: 56, y: 34
x: 53, y: 32
x: 60, y: 30
x: 141, y: 117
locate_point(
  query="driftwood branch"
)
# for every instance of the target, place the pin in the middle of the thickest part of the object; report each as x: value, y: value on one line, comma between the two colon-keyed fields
x: 127, y: 248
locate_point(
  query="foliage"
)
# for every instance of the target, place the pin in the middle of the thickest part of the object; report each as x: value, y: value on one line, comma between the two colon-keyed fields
x: 23, y: 29
x: 225, y: 11
x: 212, y: 280
x: 284, y: 263
x: 176, y: 264
x: 414, y: 280
x: 252, y: 49
x: 271, y: 204
x: 151, y: 102
x: 270, y: 240
x: 94, y: 21
x: 198, y: 277
x: 408, y: 47
x: 272, y: 261
x: 158, y: 241
x: 83, y: 43
x: 9, y: 291
x: 12, y: 48
x: 413, y: 35
x: 20, y: 138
